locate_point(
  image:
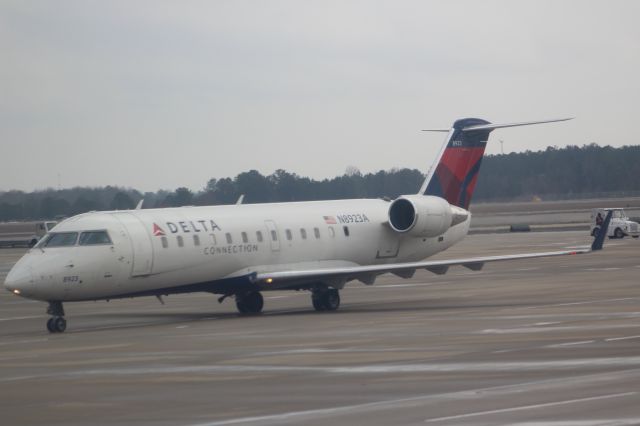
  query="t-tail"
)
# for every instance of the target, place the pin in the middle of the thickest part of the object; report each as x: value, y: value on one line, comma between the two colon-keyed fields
x: 454, y: 174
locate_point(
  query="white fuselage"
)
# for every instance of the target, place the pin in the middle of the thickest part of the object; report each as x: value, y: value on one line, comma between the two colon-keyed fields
x: 166, y: 248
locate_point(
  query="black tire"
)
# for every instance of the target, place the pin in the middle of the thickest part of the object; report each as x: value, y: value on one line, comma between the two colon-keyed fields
x: 331, y: 299
x: 32, y: 243
x: 56, y: 325
x: 317, y: 302
x: 326, y: 300
x: 595, y: 232
x: 50, y: 325
x: 618, y: 233
x: 242, y: 308
x: 250, y: 303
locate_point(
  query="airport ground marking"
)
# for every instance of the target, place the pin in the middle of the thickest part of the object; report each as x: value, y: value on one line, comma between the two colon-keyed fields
x: 298, y: 416
x: 613, y: 339
x: 561, y: 345
x: 532, y: 407
x: 20, y: 318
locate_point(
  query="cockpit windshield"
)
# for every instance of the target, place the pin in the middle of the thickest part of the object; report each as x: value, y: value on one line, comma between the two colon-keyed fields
x: 60, y: 239
x: 91, y: 238
x: 69, y: 239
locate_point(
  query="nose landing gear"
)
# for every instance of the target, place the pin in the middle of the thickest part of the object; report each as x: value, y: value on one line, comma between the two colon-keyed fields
x: 57, y: 323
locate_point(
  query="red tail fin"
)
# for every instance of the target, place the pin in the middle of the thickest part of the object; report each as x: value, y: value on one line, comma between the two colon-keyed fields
x: 455, y: 173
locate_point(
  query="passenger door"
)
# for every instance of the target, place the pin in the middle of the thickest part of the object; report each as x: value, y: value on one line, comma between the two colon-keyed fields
x: 140, y: 240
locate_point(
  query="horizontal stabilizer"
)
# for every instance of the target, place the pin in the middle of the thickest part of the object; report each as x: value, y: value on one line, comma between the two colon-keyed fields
x: 492, y: 126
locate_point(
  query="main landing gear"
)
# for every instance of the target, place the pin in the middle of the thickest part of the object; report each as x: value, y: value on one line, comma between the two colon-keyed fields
x: 57, y: 323
x: 327, y: 299
x: 252, y: 302
x: 249, y: 303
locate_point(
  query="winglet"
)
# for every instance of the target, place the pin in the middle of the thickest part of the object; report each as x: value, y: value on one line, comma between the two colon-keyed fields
x: 599, y: 240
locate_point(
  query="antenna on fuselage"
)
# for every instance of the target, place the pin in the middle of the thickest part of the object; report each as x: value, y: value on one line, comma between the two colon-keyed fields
x: 139, y: 206
x: 240, y: 199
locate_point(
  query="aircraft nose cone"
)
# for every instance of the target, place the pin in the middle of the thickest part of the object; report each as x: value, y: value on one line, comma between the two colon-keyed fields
x: 19, y: 279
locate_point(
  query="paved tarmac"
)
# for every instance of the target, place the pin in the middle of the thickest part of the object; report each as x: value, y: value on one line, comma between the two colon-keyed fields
x: 547, y: 341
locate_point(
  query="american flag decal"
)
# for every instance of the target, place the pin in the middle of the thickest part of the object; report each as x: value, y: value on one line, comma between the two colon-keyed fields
x: 330, y: 220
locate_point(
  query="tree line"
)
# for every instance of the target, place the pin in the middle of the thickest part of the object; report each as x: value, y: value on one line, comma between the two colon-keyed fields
x: 555, y: 173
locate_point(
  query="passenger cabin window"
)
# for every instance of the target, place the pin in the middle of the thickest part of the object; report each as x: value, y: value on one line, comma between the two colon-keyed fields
x: 346, y: 231
x: 332, y: 232
x: 196, y: 240
x: 259, y: 236
x: 245, y: 239
x: 61, y: 239
x: 165, y: 242
x: 92, y: 238
x: 288, y: 234
x: 316, y: 232
x: 274, y: 235
x: 303, y: 233
x: 180, y: 241
x: 229, y: 239
x: 213, y: 239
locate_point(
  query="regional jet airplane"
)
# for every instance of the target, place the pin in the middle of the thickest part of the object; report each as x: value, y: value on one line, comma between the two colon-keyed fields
x: 243, y: 250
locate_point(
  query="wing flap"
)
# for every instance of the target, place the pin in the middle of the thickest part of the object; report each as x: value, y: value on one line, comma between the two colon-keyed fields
x: 399, y: 269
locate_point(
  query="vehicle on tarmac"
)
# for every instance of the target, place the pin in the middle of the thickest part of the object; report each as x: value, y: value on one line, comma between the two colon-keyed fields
x: 243, y: 250
x: 620, y: 225
x: 23, y: 234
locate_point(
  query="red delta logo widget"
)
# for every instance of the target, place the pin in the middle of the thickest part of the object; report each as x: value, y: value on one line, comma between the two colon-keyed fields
x: 157, y: 231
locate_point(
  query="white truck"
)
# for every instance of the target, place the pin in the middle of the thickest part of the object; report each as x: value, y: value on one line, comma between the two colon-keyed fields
x: 620, y: 225
x: 15, y: 234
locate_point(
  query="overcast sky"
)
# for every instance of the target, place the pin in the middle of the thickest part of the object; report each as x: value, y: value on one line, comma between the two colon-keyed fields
x: 157, y: 94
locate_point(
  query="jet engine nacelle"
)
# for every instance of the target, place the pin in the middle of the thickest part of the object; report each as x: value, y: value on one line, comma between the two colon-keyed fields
x: 420, y: 215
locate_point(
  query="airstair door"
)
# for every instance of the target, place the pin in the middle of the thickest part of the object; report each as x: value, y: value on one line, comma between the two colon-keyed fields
x: 140, y: 239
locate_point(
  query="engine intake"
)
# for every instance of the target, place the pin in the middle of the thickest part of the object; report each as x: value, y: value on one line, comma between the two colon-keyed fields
x: 422, y: 215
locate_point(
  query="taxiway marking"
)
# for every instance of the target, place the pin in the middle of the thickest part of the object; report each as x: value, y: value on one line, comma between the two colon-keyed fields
x: 531, y: 407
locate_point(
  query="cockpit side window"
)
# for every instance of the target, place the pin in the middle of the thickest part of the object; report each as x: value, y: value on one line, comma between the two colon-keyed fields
x: 92, y: 238
x: 61, y: 239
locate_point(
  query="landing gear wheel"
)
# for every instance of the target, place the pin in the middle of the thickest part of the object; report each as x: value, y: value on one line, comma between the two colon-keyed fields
x: 618, y: 233
x: 56, y: 325
x: 595, y: 232
x: 316, y: 301
x: 326, y: 300
x: 250, y: 303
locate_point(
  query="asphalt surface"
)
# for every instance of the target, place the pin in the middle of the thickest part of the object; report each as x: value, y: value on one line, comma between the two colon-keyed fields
x: 546, y: 341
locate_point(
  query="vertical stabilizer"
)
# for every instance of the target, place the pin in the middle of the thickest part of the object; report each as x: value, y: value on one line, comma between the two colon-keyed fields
x: 454, y: 174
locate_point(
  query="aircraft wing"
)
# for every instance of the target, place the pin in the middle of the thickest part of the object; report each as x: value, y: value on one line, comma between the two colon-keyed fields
x: 367, y: 273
